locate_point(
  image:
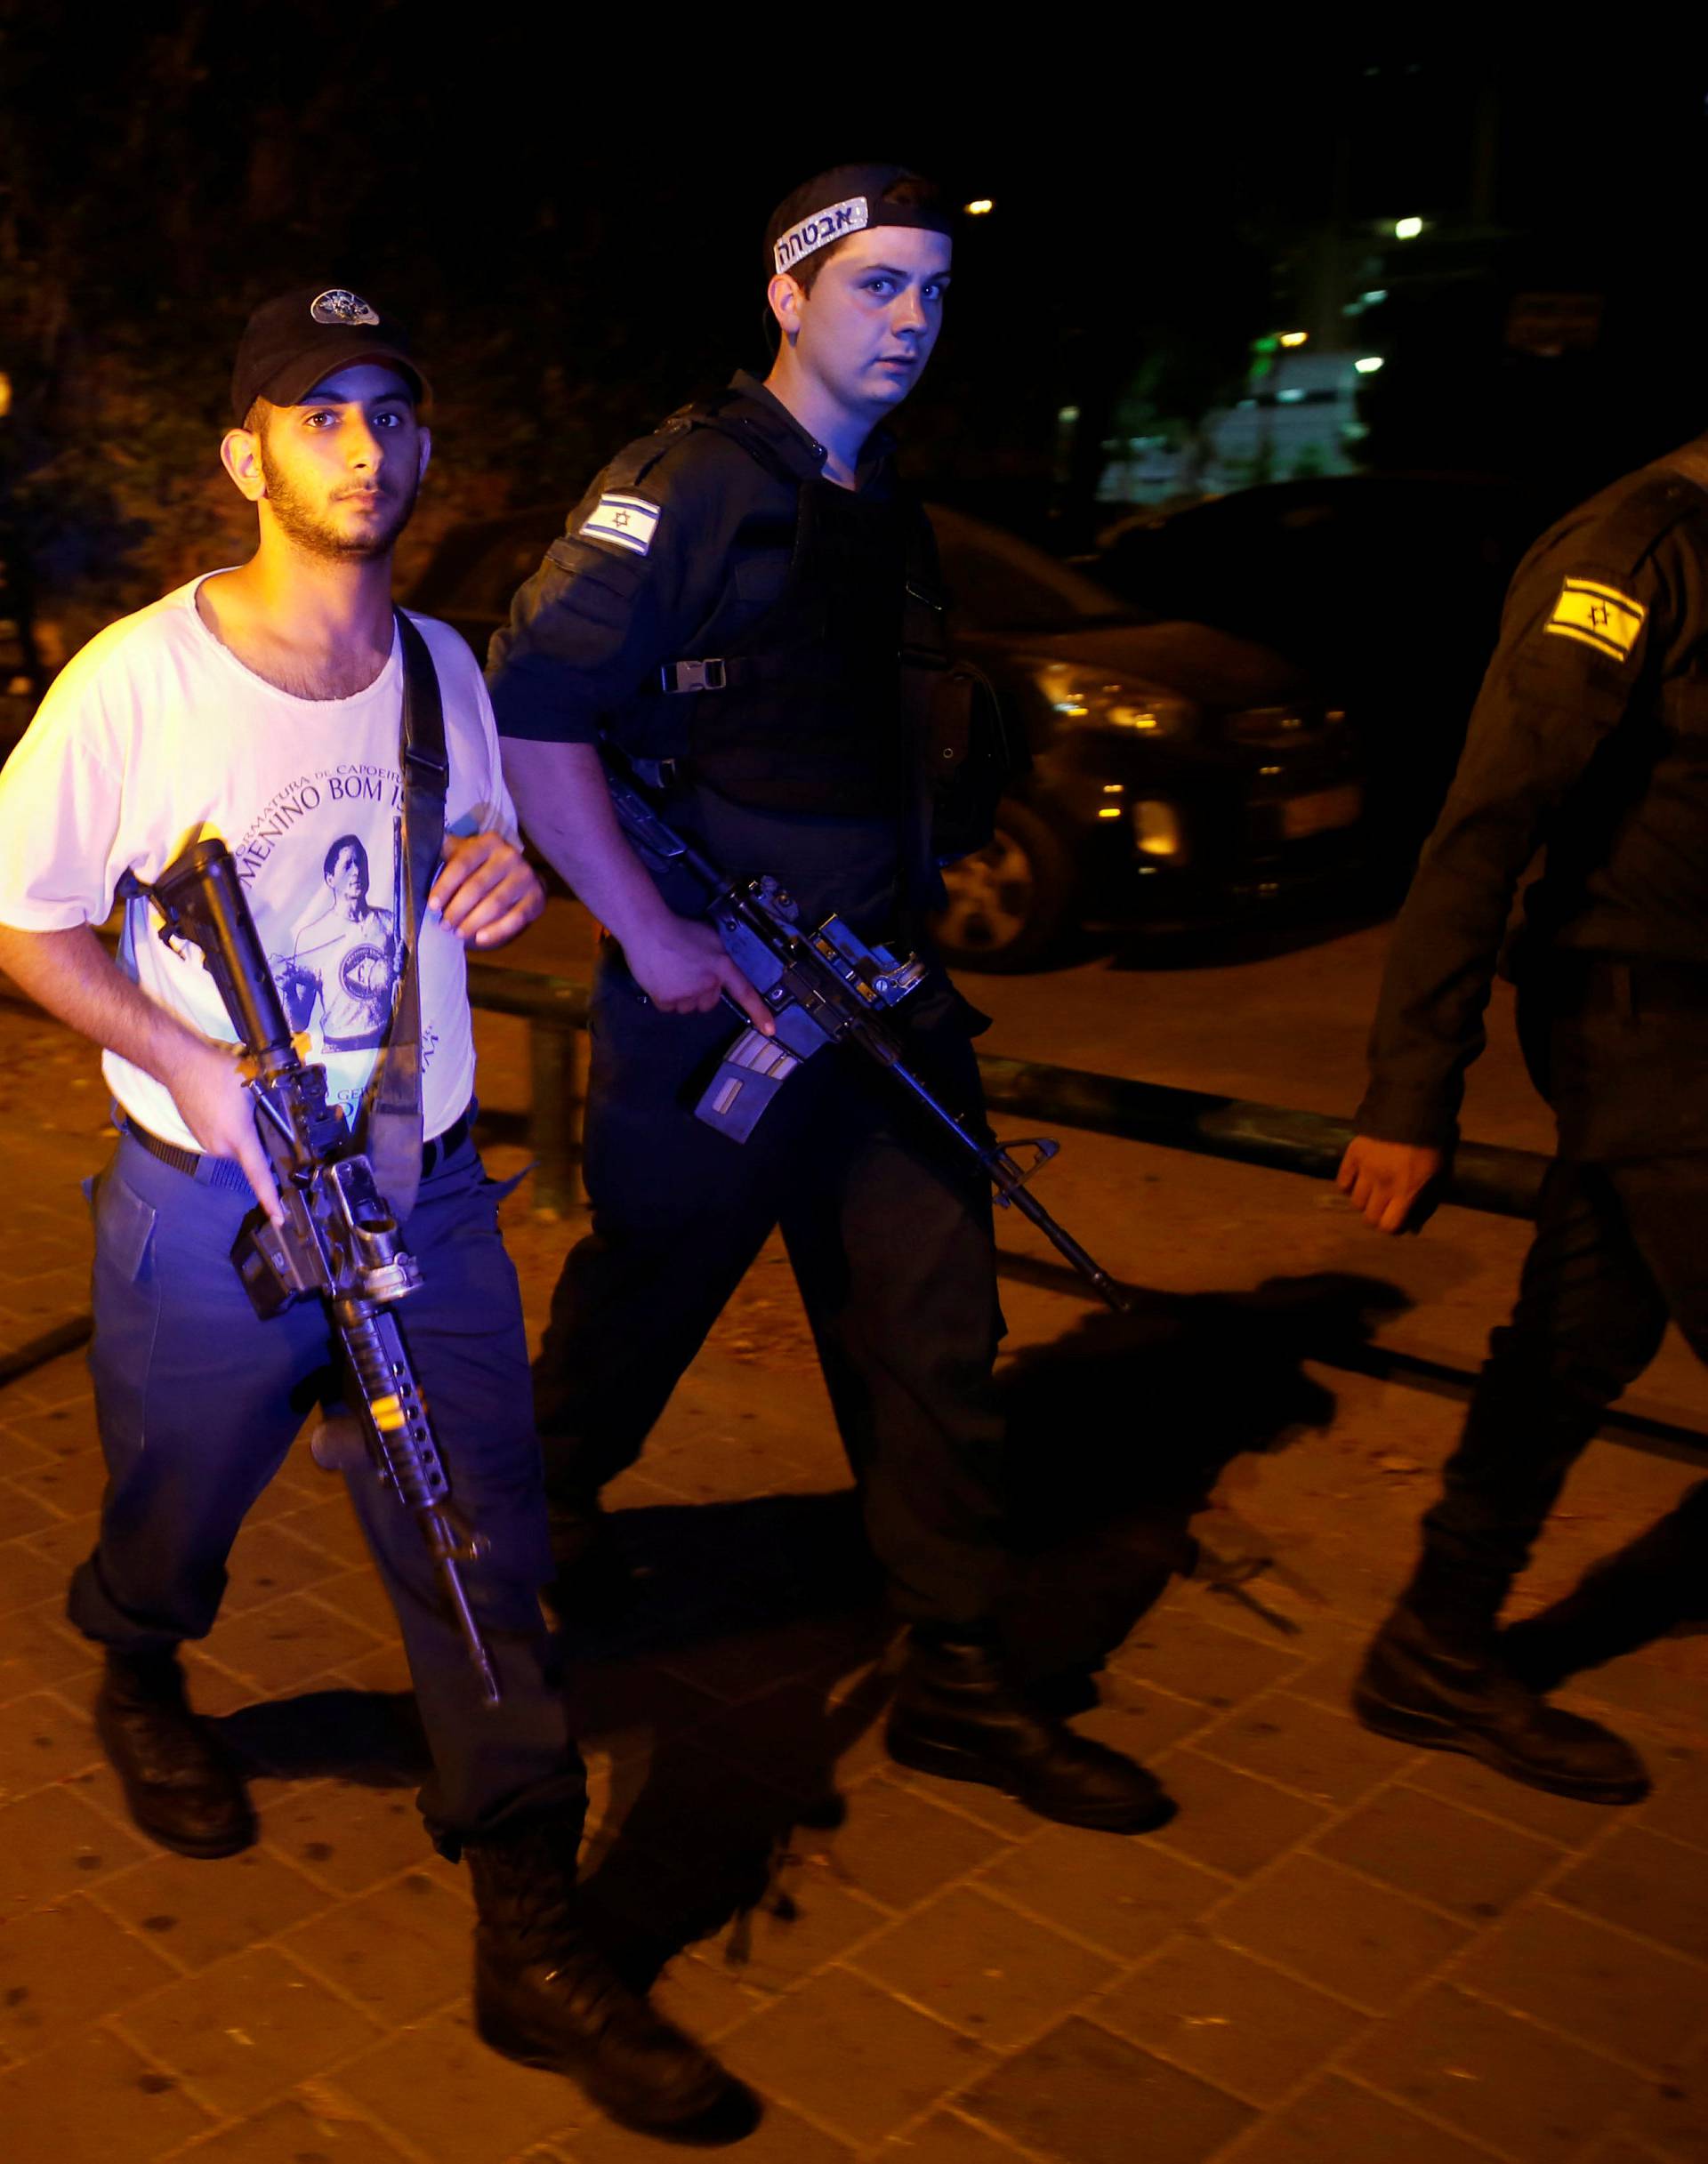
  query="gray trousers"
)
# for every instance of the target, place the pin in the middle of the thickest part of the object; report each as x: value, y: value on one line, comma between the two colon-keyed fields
x: 198, y: 1402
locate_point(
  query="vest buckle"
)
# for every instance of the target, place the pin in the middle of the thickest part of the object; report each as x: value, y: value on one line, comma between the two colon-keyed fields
x: 692, y: 676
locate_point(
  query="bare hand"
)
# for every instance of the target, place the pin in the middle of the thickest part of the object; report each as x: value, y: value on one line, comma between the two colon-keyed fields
x: 683, y: 969
x: 1385, y: 1179
x: 487, y: 891
x: 206, y: 1084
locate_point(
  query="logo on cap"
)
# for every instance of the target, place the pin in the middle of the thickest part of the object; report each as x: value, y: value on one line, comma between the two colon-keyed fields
x: 339, y: 305
x: 819, y: 231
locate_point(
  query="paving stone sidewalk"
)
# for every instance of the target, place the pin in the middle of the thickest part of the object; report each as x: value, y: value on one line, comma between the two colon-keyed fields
x: 1340, y: 1951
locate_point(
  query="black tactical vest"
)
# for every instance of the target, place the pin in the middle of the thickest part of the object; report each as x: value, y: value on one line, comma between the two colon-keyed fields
x: 803, y: 710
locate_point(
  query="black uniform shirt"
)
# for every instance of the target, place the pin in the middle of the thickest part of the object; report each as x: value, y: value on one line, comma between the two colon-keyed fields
x: 1590, y: 737
x: 704, y: 550
x: 599, y: 618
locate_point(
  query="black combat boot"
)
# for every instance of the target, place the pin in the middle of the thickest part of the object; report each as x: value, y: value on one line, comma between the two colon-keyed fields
x: 181, y: 1789
x: 956, y: 1713
x: 545, y: 1995
x: 1436, y: 1680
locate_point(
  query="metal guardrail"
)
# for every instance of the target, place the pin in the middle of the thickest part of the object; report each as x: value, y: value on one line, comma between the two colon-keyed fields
x: 1498, y: 1181
x: 555, y: 1008
x: 1503, y: 1181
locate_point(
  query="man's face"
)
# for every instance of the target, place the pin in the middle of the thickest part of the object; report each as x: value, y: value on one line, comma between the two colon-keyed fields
x: 348, y: 878
x: 341, y: 468
x: 868, y: 327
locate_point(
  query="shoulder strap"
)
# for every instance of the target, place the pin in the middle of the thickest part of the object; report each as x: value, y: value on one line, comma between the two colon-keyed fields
x: 1670, y: 492
x: 722, y: 414
x: 426, y: 770
x: 391, y: 1109
x: 635, y: 461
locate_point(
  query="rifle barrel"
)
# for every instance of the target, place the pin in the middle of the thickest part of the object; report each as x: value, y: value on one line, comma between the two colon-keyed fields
x: 1006, y: 1176
x: 1065, y: 1243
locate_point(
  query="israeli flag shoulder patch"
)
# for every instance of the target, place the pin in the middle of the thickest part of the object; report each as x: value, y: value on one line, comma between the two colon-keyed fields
x: 1597, y: 616
x: 627, y: 521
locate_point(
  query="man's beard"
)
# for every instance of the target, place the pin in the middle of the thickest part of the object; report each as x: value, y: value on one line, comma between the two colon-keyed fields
x: 313, y: 531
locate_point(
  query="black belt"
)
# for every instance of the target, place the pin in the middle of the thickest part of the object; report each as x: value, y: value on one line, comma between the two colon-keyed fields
x: 446, y: 1146
x: 226, y: 1172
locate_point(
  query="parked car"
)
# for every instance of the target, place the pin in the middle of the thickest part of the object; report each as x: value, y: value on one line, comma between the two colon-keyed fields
x: 1385, y: 590
x: 1178, y: 772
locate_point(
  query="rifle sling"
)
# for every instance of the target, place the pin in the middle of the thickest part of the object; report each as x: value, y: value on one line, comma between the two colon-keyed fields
x: 392, y: 1108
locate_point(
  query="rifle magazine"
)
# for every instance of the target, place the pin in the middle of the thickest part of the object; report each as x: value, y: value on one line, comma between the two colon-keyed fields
x: 749, y: 1075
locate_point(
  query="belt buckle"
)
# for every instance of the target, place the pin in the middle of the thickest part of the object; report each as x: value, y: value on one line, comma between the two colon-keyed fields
x: 695, y: 676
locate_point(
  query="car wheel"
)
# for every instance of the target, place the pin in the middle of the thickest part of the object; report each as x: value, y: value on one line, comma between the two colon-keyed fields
x: 1009, y: 902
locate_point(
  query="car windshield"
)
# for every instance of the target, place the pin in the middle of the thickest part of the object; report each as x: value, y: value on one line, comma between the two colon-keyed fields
x: 1002, y: 584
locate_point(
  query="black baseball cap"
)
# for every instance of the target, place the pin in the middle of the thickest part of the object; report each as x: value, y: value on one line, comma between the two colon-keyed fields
x: 846, y: 200
x: 291, y: 343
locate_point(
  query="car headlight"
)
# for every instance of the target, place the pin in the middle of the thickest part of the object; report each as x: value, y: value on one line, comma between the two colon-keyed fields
x: 1092, y: 698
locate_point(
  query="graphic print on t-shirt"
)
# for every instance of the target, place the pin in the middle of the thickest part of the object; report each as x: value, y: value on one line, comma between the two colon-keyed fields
x: 336, y: 981
x: 322, y: 864
x: 155, y: 729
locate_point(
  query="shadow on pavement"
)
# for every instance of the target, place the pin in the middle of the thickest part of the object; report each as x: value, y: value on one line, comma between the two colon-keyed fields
x: 373, y: 1738
x: 1120, y: 1430
x: 754, y: 1655
x: 1123, y: 1426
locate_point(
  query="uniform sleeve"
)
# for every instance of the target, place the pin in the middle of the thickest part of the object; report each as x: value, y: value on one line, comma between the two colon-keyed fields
x: 62, y: 811
x: 610, y: 603
x: 1581, y: 632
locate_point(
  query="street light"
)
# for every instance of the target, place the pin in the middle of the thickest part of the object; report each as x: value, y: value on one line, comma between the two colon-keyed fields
x: 982, y: 208
x: 1407, y: 229
x: 1294, y: 338
x: 1368, y: 365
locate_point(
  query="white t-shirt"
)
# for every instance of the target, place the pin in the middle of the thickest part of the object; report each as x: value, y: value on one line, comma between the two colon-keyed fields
x: 154, y: 734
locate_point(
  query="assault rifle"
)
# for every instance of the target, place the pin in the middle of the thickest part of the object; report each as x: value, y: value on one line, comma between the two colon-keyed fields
x: 339, y: 1240
x: 825, y: 987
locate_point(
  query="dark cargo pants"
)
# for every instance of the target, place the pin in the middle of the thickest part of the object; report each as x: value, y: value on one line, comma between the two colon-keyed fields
x: 199, y: 1401
x: 1619, y: 1248
x: 892, y: 1244
x: 1621, y: 1052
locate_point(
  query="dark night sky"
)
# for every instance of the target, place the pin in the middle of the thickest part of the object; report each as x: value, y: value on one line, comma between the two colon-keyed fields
x: 526, y: 173
x: 572, y: 223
